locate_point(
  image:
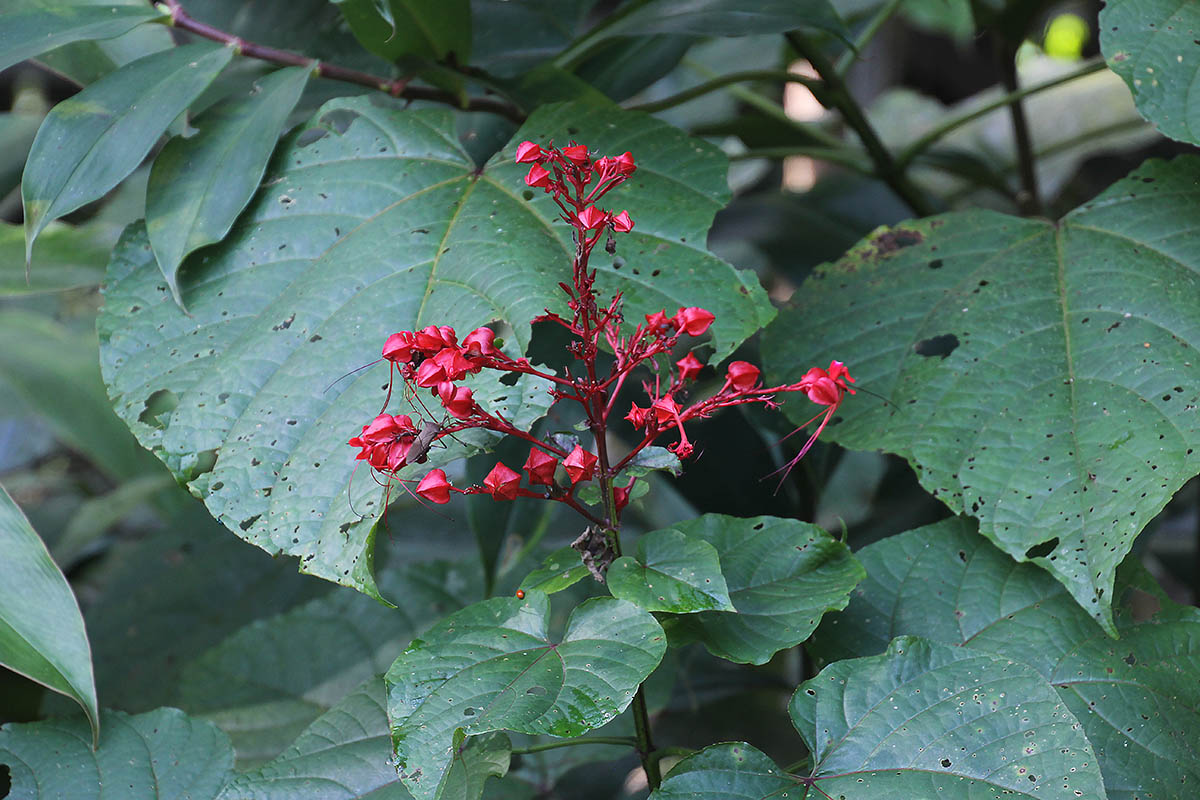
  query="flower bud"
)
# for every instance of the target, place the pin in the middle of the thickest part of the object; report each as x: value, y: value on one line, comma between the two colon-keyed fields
x: 528, y: 152
x: 538, y: 177
x: 693, y: 321
x: 434, y: 487
x: 540, y: 466
x: 592, y: 218
x: 502, y: 483
x: 622, y: 223
x: 742, y: 375
x: 577, y: 153
x: 580, y: 465
x: 689, y: 367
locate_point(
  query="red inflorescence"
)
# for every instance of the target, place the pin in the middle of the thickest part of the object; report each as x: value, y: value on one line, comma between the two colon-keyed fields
x: 434, y: 359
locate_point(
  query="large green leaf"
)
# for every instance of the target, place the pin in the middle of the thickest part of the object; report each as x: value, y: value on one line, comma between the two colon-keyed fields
x: 384, y: 226
x: 41, y: 630
x: 26, y: 32
x: 492, y: 667
x: 1138, y: 698
x: 926, y: 719
x: 672, y: 572
x: 90, y: 141
x: 159, y: 755
x: 782, y: 576
x: 198, y: 186
x: 560, y: 570
x: 1038, y: 376
x: 1152, y: 45
x: 267, y: 682
x: 728, y: 771
x: 87, y: 61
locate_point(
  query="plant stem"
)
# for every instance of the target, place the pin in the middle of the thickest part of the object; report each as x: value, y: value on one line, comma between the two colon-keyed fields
x: 770, y: 108
x: 866, y: 35
x: 645, y: 745
x: 850, y: 159
x: 946, y: 126
x: 1028, y: 201
x: 396, y: 87
x: 623, y: 741
x: 836, y: 94
x: 721, y: 82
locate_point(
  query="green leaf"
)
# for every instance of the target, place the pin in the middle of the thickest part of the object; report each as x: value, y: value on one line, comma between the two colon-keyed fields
x: 97, y: 515
x: 386, y: 225
x: 672, y: 572
x: 653, y: 458
x: 726, y: 771
x: 41, y: 630
x: 1137, y: 698
x: 67, y: 257
x: 511, y: 37
x: 28, y: 32
x: 726, y: 18
x: 560, y: 570
x: 346, y: 753
x: 782, y: 575
x: 431, y: 29
x: 264, y: 684
x: 159, y: 755
x: 927, y: 719
x: 492, y: 667
x: 1151, y: 44
x: 1038, y: 376
x: 198, y: 186
x: 90, y: 141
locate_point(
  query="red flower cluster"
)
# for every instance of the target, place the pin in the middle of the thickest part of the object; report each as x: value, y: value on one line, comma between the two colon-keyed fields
x: 435, y: 360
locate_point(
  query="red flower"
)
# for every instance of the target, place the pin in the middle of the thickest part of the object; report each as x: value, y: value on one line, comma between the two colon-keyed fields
x: 430, y: 374
x: 432, y: 338
x: 453, y: 362
x: 456, y: 399
x: 592, y: 218
x: 434, y: 487
x: 479, y: 342
x: 665, y: 409
x: 742, y: 375
x: 580, y: 464
x: 689, y: 367
x: 826, y: 387
x: 577, y: 153
x: 637, y: 416
x: 622, y: 223
x: 621, y: 494
x: 540, y: 467
x: 625, y: 163
x: 538, y: 177
x: 693, y: 321
x: 657, y: 321
x: 839, y: 373
x: 529, y: 152
x: 398, y: 347
x: 502, y: 483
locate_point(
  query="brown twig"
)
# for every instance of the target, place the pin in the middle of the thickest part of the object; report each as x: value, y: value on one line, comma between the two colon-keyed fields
x: 396, y: 87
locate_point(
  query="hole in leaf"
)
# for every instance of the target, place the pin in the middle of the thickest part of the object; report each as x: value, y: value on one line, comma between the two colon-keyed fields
x: 158, y: 403
x: 538, y: 690
x: 1042, y: 550
x: 942, y: 346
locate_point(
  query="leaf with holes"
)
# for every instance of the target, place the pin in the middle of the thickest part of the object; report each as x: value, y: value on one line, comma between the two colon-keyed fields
x: 672, y: 572
x: 491, y: 667
x: 381, y: 224
x: 90, y: 142
x: 726, y: 771
x: 926, y: 719
x: 41, y: 630
x: 1040, y: 377
x: 159, y: 755
x: 1155, y: 46
x: 782, y: 576
x: 1138, y: 698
